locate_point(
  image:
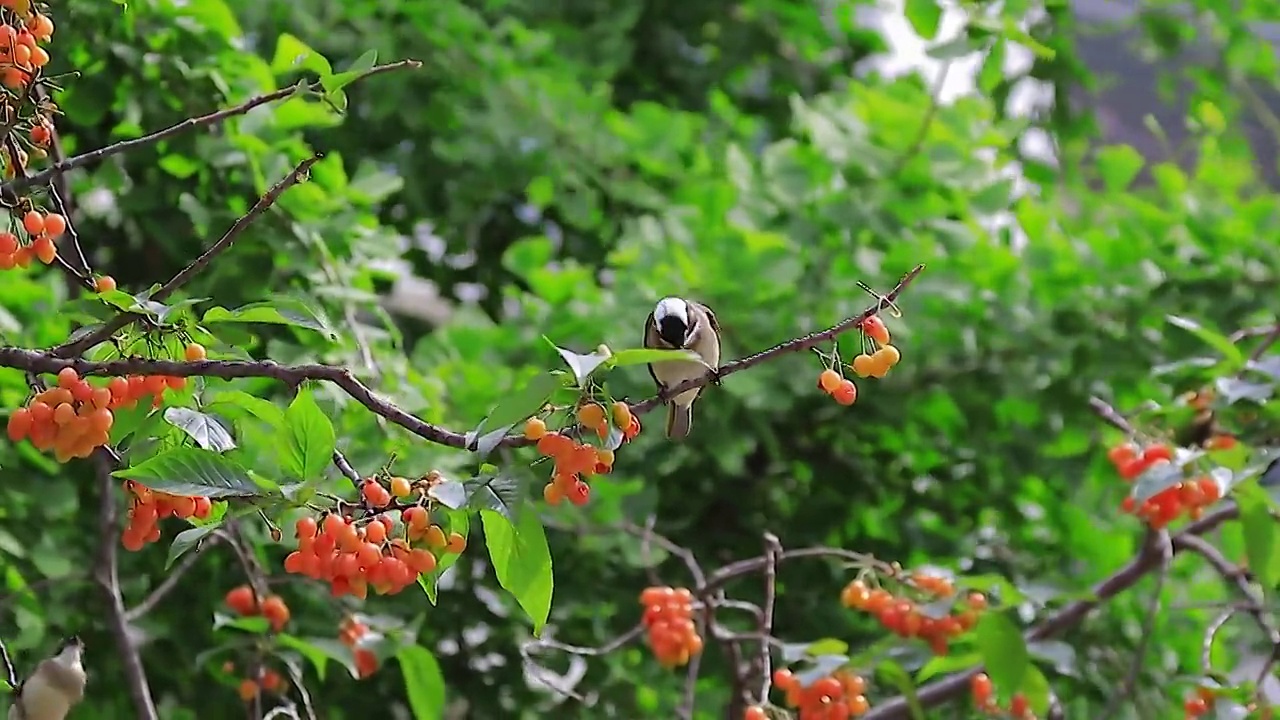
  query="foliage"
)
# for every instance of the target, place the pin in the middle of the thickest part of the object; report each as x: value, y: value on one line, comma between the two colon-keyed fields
x: 552, y: 170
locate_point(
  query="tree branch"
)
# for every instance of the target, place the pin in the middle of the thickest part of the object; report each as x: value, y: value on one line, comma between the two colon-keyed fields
x: 107, y: 576
x: 1150, y: 559
x: 19, y: 184
x: 102, y: 334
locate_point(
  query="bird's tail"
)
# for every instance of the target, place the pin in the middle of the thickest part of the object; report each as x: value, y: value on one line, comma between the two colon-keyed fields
x: 679, y: 420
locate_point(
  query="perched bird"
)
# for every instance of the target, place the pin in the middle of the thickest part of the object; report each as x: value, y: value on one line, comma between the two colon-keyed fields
x: 56, y: 685
x: 679, y: 324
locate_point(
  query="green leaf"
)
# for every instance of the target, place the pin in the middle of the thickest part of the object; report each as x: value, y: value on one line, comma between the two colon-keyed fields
x: 947, y: 664
x: 282, y: 311
x: 1035, y: 686
x: 521, y: 404
x: 193, y: 472
x: 320, y: 651
x: 521, y: 560
x: 821, y: 666
x: 581, y: 365
x: 895, y: 674
x: 292, y: 53
x: 925, y: 17
x: 828, y: 646
x: 1155, y: 480
x: 1118, y: 165
x: 498, y: 492
x: 1259, y: 533
x: 992, y: 71
x: 955, y: 48
x: 362, y: 65
x: 449, y: 493
x: 540, y: 191
x: 186, y: 540
x: 1234, y: 390
x: 129, y: 420
x: 264, y: 410
x: 257, y: 624
x: 309, y: 438
x: 206, y: 430
x: 644, y: 356
x: 423, y: 682
x: 1003, y: 651
x: 1217, y: 341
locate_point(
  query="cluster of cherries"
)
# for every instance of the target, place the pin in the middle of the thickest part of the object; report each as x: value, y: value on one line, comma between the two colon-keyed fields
x: 903, y: 616
x: 268, y: 681
x: 837, y: 696
x: 243, y: 601
x: 668, y: 618
x: 148, y: 507
x: 984, y: 698
x: 875, y: 364
x: 75, y: 417
x: 356, y: 555
x: 352, y: 632
x: 573, y: 460
x: 881, y: 360
x: 1189, y: 497
x: 20, y: 52
x: 42, y: 232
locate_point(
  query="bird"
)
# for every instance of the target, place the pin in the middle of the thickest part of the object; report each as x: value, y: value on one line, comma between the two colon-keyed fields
x: 680, y: 324
x: 56, y: 685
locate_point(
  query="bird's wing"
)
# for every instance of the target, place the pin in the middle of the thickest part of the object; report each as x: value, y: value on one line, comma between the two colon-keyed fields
x: 715, y: 325
x: 651, y: 340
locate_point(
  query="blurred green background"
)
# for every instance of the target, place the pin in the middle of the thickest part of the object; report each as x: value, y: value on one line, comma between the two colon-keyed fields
x: 553, y: 169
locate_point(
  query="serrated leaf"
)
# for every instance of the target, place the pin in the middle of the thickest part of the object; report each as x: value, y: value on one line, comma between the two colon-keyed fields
x: 521, y: 560
x: 206, y: 430
x: 1259, y: 533
x: 309, y: 438
x: 278, y: 312
x: 193, y: 472
x: 1216, y: 340
x: 1003, y: 651
x: 895, y: 674
x: 423, y: 682
x: 522, y: 404
x: 186, y: 540
x: 498, y: 492
x: 581, y: 365
x: 449, y: 493
x: 128, y: 420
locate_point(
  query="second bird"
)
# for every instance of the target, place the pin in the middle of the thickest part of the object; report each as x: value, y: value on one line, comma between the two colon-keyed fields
x: 680, y: 324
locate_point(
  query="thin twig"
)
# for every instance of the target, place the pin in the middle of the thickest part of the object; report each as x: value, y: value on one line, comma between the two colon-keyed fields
x: 10, y: 675
x: 540, y: 645
x: 106, y: 574
x: 1148, y: 560
x: 1210, y: 633
x: 1159, y: 538
x: 19, y: 184
x: 103, y: 333
x: 772, y: 550
x: 171, y: 581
